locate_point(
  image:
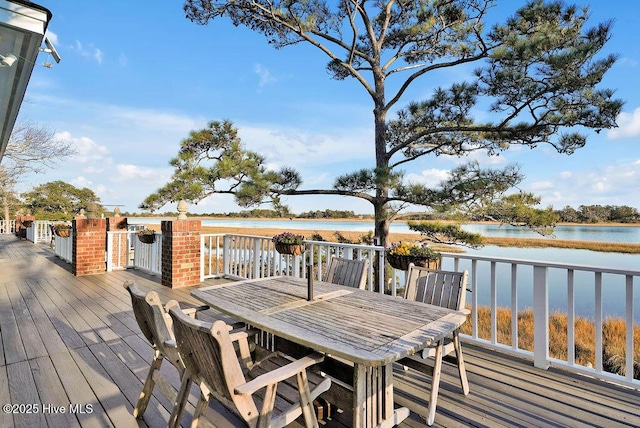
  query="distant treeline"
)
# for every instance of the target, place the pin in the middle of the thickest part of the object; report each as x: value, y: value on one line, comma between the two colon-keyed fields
x: 583, y: 214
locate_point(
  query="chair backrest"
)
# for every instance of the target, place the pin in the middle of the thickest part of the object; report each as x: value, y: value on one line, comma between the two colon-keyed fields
x: 351, y: 273
x: 436, y: 287
x: 153, y: 320
x: 208, y: 354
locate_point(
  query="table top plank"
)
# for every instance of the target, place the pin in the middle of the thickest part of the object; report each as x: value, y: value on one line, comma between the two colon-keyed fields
x: 360, y: 326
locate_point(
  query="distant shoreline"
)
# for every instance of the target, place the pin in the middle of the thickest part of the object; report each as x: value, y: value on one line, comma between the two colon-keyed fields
x: 395, y: 221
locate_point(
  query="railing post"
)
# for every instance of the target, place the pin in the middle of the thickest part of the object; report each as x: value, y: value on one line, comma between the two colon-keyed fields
x: 226, y: 255
x: 540, y: 318
x: 180, y: 252
x: 257, y: 256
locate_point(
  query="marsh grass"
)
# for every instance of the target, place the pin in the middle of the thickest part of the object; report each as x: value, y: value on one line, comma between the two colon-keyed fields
x: 613, y: 337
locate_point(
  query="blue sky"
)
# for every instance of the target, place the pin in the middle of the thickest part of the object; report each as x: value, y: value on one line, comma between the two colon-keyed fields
x: 136, y: 77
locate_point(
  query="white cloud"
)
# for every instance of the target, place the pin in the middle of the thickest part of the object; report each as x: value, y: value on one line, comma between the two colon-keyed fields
x: 129, y: 173
x: 93, y: 156
x: 628, y: 126
x: 615, y: 184
x: 264, y: 75
x: 153, y: 119
x: 541, y: 185
x: 81, y: 182
x: 89, y: 51
x: 429, y: 177
x: 301, y: 148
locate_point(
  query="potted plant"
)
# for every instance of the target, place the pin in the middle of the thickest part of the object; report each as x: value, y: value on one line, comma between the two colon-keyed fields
x: 62, y: 229
x: 401, y: 254
x: 146, y: 236
x: 289, y: 243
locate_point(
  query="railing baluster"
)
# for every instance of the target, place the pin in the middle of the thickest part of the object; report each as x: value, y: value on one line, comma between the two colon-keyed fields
x: 629, y: 330
x: 494, y: 304
x: 514, y: 305
x: 571, y: 320
x: 540, y: 317
x: 598, y: 316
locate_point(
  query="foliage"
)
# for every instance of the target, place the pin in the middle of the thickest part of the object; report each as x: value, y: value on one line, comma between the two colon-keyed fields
x: 599, y: 214
x: 288, y: 238
x: 539, y: 73
x: 145, y: 231
x: 441, y: 233
x: 613, y: 337
x: 327, y: 214
x: 58, y: 200
x: 32, y: 148
x: 412, y: 249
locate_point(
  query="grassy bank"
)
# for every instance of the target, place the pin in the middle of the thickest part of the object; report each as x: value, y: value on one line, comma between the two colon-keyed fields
x: 613, y: 337
x: 611, y: 247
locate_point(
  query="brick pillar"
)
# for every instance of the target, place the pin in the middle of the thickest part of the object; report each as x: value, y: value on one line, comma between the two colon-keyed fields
x: 119, y: 249
x: 181, y: 253
x: 89, y: 246
x: 20, y: 230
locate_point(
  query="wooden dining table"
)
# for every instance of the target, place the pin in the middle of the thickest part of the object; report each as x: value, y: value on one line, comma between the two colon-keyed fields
x: 368, y: 329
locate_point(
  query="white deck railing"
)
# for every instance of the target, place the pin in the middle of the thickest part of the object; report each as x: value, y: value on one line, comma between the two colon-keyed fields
x: 256, y: 257
x: 244, y: 256
x: 124, y: 250
x: 39, y: 231
x: 7, y: 226
x: 64, y: 247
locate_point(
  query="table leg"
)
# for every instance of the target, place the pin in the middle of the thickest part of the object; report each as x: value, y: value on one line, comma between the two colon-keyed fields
x: 373, y: 398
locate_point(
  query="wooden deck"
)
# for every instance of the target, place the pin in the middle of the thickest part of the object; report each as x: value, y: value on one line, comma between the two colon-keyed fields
x: 73, y: 344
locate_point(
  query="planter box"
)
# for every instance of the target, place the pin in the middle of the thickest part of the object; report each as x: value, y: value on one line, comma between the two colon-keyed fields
x: 292, y: 249
x: 147, y: 239
x: 402, y: 262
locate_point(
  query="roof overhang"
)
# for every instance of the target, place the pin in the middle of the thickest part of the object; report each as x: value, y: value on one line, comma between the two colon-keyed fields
x: 22, y: 28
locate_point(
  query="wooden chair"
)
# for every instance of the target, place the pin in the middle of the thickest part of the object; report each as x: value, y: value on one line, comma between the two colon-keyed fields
x: 155, y: 324
x: 448, y: 290
x: 270, y: 393
x: 351, y: 273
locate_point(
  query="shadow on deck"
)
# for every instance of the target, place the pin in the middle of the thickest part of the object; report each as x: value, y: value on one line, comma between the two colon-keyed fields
x: 72, y: 351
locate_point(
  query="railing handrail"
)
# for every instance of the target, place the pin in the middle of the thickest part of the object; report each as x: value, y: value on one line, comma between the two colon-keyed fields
x: 542, y: 263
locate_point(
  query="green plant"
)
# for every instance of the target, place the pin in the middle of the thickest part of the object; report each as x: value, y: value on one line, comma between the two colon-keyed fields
x: 412, y: 249
x: 288, y: 238
x: 146, y: 231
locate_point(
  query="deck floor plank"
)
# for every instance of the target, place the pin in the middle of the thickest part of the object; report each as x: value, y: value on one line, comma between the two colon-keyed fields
x: 23, y: 393
x: 53, y: 398
x: 75, y: 340
x: 79, y: 391
x: 31, y: 340
x: 50, y: 337
x: 65, y: 329
x: 11, y: 341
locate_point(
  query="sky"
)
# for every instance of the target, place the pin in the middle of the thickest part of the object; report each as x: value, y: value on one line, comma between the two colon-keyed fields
x: 136, y: 77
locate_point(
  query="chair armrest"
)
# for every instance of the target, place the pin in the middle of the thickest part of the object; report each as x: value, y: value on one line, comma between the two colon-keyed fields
x: 193, y: 311
x: 465, y: 311
x: 279, y: 374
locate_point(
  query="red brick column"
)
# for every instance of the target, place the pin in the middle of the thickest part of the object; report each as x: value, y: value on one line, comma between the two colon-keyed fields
x: 181, y: 253
x: 89, y: 246
x: 120, y: 250
x: 20, y: 219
